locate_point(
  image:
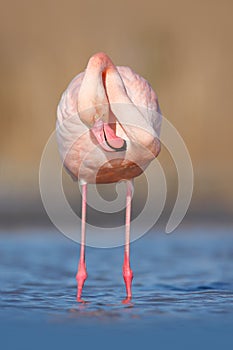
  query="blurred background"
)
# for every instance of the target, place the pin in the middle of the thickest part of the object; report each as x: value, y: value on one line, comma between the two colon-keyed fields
x: 185, y: 50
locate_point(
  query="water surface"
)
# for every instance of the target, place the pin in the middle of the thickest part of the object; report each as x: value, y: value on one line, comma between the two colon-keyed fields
x: 179, y: 279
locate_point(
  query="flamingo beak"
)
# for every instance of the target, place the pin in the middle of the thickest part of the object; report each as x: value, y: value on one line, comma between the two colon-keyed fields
x: 107, y: 138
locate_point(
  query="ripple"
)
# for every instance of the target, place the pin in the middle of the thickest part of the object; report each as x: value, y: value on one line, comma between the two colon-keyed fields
x: 181, y: 276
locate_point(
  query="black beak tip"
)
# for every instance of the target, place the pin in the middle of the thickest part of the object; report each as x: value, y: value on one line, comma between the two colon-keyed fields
x: 121, y: 149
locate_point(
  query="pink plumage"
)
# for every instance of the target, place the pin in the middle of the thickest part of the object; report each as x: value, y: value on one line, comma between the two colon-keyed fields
x: 129, y: 105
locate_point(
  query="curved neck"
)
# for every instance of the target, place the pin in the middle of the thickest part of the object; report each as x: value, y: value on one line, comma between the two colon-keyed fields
x: 92, y: 99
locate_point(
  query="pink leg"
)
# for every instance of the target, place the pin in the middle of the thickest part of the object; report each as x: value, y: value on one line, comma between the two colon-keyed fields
x: 82, y: 272
x: 127, y: 272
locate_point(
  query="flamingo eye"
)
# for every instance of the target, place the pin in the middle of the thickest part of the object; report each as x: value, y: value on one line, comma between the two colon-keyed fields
x: 96, y: 117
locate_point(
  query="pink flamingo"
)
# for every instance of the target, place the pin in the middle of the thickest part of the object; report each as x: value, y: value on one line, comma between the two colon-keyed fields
x: 108, y: 124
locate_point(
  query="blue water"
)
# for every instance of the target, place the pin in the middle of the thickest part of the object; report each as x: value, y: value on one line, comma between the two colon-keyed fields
x: 182, y: 289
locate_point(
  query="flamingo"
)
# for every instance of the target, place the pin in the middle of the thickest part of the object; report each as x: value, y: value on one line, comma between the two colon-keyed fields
x: 108, y: 126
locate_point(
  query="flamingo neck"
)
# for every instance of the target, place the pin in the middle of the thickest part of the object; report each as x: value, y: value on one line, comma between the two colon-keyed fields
x: 93, y: 103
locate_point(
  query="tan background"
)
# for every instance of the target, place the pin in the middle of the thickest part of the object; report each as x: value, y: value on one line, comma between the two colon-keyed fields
x: 184, y: 48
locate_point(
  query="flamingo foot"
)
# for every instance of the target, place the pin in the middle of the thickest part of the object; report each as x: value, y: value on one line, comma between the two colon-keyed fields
x: 127, y: 301
x: 80, y: 300
x: 81, y: 278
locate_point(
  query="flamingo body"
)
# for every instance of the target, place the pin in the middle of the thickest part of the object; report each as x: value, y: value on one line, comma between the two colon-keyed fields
x: 108, y: 126
x: 129, y: 106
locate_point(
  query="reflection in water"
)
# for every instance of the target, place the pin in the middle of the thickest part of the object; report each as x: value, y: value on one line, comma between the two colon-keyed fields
x: 187, y: 274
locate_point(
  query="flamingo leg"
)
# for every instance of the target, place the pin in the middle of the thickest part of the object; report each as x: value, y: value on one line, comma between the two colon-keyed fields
x: 127, y: 272
x: 82, y: 271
